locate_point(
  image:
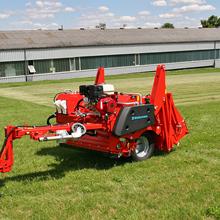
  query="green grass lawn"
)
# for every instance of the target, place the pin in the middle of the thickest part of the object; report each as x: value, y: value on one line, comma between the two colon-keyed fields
x: 50, y: 182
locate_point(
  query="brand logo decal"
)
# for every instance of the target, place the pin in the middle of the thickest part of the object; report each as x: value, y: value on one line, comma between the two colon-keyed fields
x: 139, y: 117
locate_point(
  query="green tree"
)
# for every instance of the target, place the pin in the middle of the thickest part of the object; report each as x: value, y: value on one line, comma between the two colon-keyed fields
x: 167, y: 25
x: 212, y: 22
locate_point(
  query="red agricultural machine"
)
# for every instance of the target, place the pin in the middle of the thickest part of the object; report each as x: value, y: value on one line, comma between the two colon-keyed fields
x: 101, y: 119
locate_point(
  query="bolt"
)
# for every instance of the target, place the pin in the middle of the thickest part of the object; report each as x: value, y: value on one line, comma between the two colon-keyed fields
x: 118, y: 147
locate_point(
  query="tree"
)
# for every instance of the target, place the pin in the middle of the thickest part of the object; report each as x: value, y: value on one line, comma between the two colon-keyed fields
x: 101, y: 26
x: 212, y: 22
x: 167, y: 25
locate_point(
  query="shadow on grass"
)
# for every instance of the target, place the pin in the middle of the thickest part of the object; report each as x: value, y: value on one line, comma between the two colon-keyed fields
x: 68, y: 160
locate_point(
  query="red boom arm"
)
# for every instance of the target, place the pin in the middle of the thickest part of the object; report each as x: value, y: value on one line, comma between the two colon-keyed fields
x: 39, y: 133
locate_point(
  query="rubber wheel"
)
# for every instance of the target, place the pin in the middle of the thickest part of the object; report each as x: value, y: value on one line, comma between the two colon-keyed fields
x: 144, y: 148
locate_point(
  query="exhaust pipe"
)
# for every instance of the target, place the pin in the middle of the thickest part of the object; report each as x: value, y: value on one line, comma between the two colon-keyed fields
x: 78, y: 130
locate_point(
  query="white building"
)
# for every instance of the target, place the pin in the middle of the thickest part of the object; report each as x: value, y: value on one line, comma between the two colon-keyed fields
x: 61, y: 54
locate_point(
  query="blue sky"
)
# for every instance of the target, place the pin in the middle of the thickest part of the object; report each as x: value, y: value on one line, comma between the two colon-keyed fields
x: 50, y: 14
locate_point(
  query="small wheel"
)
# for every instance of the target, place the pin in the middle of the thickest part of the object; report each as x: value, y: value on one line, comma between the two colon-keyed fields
x: 144, y: 148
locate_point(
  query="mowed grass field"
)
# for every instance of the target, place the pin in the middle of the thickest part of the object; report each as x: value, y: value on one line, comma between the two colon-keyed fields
x: 50, y: 182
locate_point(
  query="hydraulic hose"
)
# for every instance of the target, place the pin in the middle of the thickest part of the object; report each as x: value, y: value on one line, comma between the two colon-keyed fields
x: 50, y: 117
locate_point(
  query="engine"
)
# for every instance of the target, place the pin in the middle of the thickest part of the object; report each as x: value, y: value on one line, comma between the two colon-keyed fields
x: 101, y: 97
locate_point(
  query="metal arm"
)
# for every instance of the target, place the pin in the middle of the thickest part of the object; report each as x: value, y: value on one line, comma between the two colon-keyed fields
x: 40, y: 133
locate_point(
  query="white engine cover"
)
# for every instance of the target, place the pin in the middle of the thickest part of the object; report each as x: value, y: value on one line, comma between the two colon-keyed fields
x: 108, y: 89
x: 61, y: 106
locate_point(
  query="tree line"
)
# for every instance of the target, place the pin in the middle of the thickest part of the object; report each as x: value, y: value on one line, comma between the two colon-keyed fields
x: 212, y: 22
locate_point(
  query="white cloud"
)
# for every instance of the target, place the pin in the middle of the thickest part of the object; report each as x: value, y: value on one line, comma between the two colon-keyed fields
x: 152, y: 24
x: 28, y: 4
x: 127, y: 18
x: 194, y: 8
x: 92, y: 18
x: 39, y: 25
x: 187, y: 22
x: 144, y: 13
x: 54, y: 24
x: 24, y: 22
x: 45, y: 26
x: 39, y: 4
x: 110, y: 14
x: 103, y: 9
x: 4, y: 15
x: 44, y: 9
x: 51, y: 3
x: 42, y: 14
x: 69, y: 9
x: 169, y: 15
x: 190, y: 19
x: 174, y: 2
x: 159, y: 3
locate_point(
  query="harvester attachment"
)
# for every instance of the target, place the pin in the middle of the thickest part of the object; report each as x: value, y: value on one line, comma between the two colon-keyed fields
x: 99, y: 118
x: 171, y: 124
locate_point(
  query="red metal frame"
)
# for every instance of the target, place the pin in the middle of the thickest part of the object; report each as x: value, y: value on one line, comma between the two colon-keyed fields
x: 101, y: 117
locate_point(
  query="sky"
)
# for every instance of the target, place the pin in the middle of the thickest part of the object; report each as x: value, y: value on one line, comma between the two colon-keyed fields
x: 51, y: 14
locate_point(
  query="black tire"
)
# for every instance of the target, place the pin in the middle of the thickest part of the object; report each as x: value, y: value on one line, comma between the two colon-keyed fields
x: 144, y: 149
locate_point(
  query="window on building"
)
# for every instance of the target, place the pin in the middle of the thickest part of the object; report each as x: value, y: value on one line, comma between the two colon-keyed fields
x: 51, y: 66
x: 72, y: 64
x: 107, y: 61
x: 170, y: 57
x: 137, y: 59
x: 217, y: 54
x: 61, y: 65
x: 43, y: 66
x: 12, y: 69
x: 78, y: 63
x: 75, y: 64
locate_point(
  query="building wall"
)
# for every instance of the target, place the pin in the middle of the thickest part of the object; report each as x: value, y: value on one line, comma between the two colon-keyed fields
x: 121, y: 70
x: 12, y: 55
x: 56, y: 53
x: 65, y: 63
x: 217, y: 63
x: 108, y: 71
x: 217, y: 45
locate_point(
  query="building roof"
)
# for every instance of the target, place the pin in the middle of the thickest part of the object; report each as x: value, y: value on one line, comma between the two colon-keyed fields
x: 95, y: 37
